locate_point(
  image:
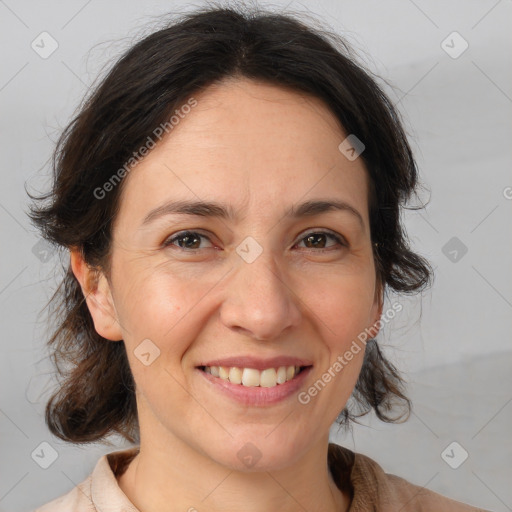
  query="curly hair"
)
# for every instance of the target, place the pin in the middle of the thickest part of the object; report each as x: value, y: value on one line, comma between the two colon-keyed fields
x: 96, y: 392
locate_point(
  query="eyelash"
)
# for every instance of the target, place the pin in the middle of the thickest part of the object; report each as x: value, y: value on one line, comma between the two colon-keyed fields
x: 182, y: 234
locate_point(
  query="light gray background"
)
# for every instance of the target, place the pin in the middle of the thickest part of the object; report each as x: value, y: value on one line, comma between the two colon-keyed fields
x: 453, y: 343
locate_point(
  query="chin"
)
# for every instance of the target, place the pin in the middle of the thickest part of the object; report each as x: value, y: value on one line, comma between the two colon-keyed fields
x: 257, y: 455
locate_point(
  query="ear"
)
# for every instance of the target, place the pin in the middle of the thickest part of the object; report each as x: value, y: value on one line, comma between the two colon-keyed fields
x: 97, y: 293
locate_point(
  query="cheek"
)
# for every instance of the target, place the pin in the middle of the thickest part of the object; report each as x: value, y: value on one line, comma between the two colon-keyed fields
x: 161, y: 316
x: 343, y: 307
x: 161, y: 304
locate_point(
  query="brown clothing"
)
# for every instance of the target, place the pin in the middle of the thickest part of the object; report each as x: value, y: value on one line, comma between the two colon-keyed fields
x: 372, y: 489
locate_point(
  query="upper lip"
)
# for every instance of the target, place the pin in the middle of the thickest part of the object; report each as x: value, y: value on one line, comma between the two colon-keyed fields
x: 257, y: 363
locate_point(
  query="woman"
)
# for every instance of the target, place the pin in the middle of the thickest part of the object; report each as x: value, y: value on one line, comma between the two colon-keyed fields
x: 230, y: 195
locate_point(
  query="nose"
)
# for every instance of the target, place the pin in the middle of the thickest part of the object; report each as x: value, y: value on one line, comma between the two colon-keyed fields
x: 259, y: 302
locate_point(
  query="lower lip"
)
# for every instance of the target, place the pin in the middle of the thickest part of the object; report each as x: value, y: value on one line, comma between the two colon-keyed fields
x: 257, y: 395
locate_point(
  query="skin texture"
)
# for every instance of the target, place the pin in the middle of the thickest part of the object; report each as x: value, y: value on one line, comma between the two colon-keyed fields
x: 259, y: 149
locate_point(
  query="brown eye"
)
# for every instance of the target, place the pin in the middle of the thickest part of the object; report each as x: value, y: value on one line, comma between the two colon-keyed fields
x: 186, y: 240
x: 318, y: 240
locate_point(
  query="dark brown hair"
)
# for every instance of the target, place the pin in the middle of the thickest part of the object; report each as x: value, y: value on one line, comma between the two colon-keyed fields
x: 143, y: 89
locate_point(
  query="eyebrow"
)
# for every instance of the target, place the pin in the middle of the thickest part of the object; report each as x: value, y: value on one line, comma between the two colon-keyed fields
x: 218, y: 210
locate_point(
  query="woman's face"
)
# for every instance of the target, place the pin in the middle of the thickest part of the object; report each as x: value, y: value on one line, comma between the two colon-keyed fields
x: 256, y: 281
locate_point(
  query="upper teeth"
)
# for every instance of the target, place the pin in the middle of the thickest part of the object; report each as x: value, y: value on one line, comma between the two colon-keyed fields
x: 251, y: 377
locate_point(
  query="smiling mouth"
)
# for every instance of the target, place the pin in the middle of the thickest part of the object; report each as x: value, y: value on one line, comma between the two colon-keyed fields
x: 250, y: 377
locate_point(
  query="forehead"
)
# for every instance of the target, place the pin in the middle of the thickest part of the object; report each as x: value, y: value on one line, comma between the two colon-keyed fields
x: 252, y: 145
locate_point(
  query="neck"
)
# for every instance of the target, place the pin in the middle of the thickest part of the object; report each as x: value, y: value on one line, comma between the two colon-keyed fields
x: 180, y: 478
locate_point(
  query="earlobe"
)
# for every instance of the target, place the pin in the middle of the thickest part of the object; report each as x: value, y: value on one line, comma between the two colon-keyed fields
x: 98, y: 296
